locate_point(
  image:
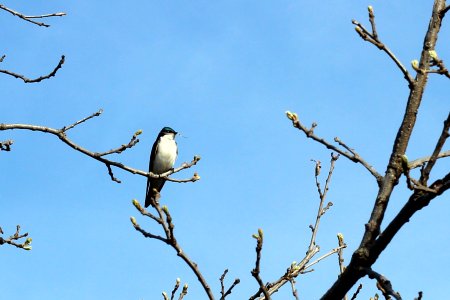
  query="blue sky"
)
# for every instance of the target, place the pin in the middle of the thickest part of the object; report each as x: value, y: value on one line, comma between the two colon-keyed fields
x: 223, y: 74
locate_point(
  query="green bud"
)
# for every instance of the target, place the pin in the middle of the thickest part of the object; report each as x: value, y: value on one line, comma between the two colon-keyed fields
x: 136, y: 204
x: 138, y: 132
x: 28, y: 241
x: 27, y: 247
x: 133, y: 220
x: 370, y: 9
x: 165, y: 209
x: 415, y: 64
x: 433, y: 54
x: 260, y: 232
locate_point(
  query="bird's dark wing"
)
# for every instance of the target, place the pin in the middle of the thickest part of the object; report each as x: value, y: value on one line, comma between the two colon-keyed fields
x: 152, y: 182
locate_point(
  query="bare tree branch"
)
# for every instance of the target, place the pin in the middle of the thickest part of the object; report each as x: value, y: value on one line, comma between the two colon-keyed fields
x: 295, y: 269
x: 14, y: 239
x: 61, y: 134
x: 29, y: 18
x: 222, y: 285
x: 421, y: 161
x: 384, y: 284
x: 256, y: 271
x: 6, y: 145
x: 420, y: 293
x: 38, y: 79
x: 440, y: 144
x: 357, y: 292
x: 341, y: 243
x: 352, y: 155
x: 372, y: 37
x: 164, y: 219
x: 373, y: 243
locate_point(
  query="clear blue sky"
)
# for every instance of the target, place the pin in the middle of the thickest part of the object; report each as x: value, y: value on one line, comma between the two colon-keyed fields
x: 222, y: 73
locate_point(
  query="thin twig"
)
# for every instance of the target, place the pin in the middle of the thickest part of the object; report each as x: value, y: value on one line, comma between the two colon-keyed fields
x: 440, y: 143
x: 96, y: 114
x: 372, y: 37
x: 164, y: 219
x: 352, y: 156
x: 300, y: 268
x: 322, y: 196
x: 294, y: 289
x: 175, y: 288
x: 13, y: 239
x: 331, y: 252
x: 421, y: 161
x: 28, y: 18
x: 357, y: 292
x: 340, y: 253
x: 39, y: 79
x: 224, y: 293
x: 256, y: 271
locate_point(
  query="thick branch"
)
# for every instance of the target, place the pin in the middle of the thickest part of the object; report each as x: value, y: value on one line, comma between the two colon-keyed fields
x: 365, y: 255
x: 29, y: 18
x: 39, y: 79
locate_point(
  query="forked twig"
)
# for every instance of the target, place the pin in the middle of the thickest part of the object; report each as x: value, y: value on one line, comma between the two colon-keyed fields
x: 29, y: 18
x: 13, y: 239
x: 372, y: 37
x: 164, y: 219
x: 350, y: 154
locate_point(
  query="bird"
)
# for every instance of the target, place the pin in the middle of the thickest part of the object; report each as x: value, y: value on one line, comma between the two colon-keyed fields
x: 162, y: 159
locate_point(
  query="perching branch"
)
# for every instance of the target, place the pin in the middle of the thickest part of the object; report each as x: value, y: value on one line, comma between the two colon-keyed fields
x: 30, y: 18
x: 164, y: 219
x: 38, y: 79
x: 351, y: 155
x: 372, y: 37
x: 99, y: 156
x: 14, y: 239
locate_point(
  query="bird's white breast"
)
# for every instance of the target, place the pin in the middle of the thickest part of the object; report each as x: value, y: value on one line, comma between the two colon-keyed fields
x: 166, y: 154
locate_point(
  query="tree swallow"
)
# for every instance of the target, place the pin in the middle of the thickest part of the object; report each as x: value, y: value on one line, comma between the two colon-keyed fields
x: 163, y: 156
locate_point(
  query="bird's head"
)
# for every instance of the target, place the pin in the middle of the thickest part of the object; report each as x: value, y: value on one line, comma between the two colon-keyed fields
x: 167, y: 130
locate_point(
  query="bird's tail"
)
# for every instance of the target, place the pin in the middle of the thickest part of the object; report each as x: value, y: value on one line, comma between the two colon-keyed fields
x: 150, y: 197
